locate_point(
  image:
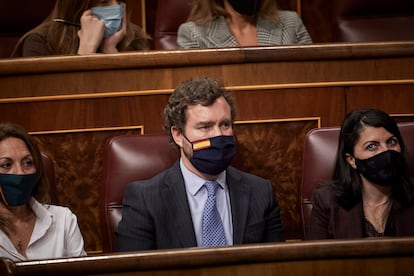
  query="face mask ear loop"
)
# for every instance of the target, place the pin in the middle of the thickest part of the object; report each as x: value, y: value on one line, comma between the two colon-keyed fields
x: 192, y: 146
x: 3, y: 197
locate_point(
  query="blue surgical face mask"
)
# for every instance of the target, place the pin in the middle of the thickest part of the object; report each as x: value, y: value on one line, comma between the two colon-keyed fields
x: 212, y: 155
x: 112, y: 16
x: 16, y: 189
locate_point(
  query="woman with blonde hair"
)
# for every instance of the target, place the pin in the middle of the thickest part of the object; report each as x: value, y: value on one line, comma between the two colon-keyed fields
x: 83, y: 27
x: 232, y: 23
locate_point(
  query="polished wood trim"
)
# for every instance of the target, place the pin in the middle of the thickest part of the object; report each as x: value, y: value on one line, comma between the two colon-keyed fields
x: 84, y: 130
x: 193, y: 57
x: 299, y: 7
x: 319, y: 84
x: 242, y: 122
x: 87, y: 96
x: 402, y: 114
x: 143, y: 16
x: 231, y: 88
x: 182, y: 259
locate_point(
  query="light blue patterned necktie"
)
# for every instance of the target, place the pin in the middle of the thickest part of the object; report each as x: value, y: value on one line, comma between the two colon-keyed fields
x: 213, y: 230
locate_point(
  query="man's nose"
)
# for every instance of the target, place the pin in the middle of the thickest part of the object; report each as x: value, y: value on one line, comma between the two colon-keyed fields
x: 218, y: 131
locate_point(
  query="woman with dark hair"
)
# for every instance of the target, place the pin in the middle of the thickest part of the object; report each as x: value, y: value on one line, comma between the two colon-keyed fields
x: 31, y: 228
x: 371, y: 194
x: 231, y: 23
x: 83, y: 27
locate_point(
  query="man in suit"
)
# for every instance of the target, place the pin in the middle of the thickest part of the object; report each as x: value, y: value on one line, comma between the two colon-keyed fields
x: 175, y: 209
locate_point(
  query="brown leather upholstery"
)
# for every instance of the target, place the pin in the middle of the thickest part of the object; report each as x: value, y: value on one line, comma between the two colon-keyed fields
x: 319, y: 155
x: 168, y: 16
x: 49, y: 169
x: 18, y: 17
x: 128, y: 158
x: 373, y: 20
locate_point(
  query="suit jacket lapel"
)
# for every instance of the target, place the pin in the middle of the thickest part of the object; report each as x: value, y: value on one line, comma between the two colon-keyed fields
x: 239, y: 201
x: 175, y: 198
x: 403, y: 218
x: 219, y: 33
x: 268, y: 33
x: 349, y: 223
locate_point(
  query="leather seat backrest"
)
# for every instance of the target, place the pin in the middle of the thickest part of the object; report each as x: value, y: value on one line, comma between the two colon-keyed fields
x: 373, y: 20
x: 128, y: 158
x: 319, y: 154
x: 49, y: 169
x: 169, y: 15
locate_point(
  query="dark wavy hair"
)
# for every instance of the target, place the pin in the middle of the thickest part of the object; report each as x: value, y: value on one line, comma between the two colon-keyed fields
x: 195, y: 91
x: 347, y: 183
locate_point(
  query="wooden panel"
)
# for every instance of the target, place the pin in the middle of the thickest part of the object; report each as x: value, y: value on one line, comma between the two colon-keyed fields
x: 327, y: 104
x: 47, y: 115
x: 336, y: 257
x: 277, y: 146
x: 78, y: 165
x: 137, y: 13
x: 396, y: 99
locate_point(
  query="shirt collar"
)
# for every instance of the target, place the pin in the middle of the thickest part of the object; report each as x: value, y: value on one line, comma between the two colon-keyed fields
x: 44, y: 218
x: 193, y: 183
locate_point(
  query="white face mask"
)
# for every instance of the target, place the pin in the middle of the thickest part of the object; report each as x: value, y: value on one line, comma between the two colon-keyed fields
x: 112, y: 16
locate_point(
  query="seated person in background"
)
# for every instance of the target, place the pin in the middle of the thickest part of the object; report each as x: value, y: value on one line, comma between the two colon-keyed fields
x: 29, y: 227
x: 231, y: 23
x: 201, y: 200
x: 83, y: 27
x: 371, y: 194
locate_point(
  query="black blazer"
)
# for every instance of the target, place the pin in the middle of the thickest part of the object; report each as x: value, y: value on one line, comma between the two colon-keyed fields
x: 156, y: 214
x: 329, y: 220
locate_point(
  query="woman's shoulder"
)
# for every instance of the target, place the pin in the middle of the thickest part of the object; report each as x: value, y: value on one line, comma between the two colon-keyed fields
x: 289, y: 18
x: 34, y: 43
x: 192, y: 25
x: 287, y: 15
x: 58, y: 211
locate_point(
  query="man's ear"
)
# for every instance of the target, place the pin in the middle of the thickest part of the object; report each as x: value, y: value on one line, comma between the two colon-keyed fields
x: 351, y: 160
x: 177, y: 136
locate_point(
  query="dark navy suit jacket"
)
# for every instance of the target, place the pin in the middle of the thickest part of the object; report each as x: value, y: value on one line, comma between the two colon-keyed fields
x: 156, y: 213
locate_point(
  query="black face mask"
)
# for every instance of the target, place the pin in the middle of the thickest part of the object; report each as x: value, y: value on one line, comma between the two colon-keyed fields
x: 212, y: 155
x: 16, y: 189
x: 383, y: 169
x: 246, y: 7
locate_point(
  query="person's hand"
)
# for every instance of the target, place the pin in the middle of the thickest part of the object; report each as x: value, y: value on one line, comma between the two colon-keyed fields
x: 91, y: 33
x: 109, y: 44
